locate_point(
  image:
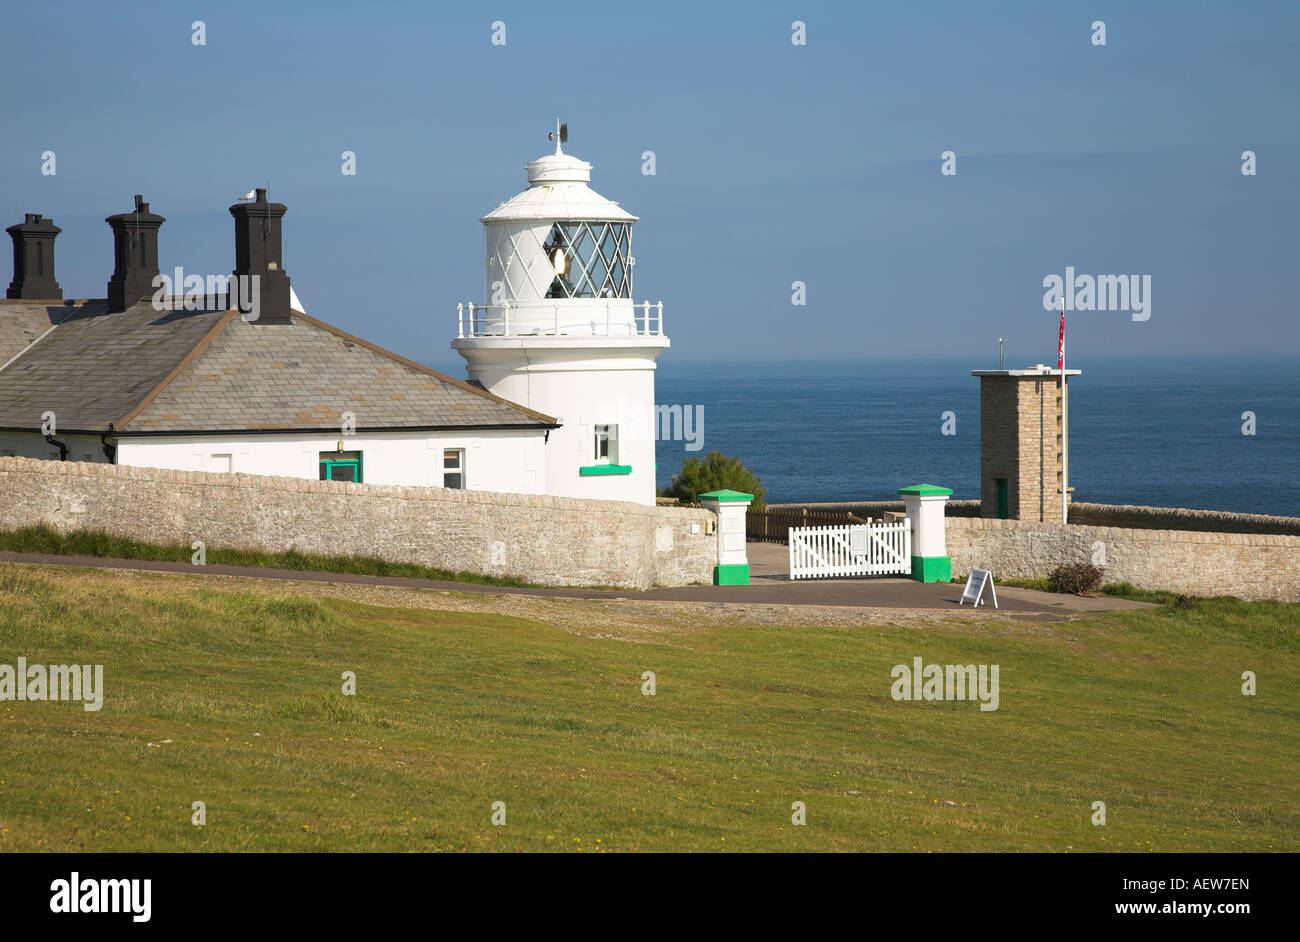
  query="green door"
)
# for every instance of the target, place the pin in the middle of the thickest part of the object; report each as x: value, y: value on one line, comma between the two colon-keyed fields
x: 1002, y: 498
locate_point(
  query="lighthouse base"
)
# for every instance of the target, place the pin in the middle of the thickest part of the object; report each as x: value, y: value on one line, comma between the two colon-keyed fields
x: 601, y: 392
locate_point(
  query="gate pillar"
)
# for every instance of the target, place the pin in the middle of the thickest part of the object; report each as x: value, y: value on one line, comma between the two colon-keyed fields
x: 733, y: 564
x: 924, y: 504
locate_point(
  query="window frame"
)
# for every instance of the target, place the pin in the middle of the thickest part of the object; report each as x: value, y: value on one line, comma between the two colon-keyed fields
x: 610, y: 440
x: 330, y: 459
x: 460, y: 469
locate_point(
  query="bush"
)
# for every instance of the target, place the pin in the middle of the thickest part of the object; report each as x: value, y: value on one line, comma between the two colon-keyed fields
x: 716, y: 472
x: 1076, y: 579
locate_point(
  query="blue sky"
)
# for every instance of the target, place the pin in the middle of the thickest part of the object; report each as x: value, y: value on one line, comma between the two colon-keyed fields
x: 775, y: 163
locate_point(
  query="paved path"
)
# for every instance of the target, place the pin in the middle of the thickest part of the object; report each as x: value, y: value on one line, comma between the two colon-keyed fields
x: 769, y: 586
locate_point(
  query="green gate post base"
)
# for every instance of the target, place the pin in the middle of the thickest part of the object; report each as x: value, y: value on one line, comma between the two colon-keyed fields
x: 731, y: 574
x: 932, y: 568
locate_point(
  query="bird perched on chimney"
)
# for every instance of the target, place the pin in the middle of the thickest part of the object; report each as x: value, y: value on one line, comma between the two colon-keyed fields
x: 251, y: 194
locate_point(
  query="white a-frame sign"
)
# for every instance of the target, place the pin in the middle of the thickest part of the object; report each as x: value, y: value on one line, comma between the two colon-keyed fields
x: 975, y: 583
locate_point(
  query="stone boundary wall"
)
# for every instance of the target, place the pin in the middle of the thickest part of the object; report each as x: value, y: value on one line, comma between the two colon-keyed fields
x: 557, y: 541
x: 1170, y: 518
x: 1248, y: 565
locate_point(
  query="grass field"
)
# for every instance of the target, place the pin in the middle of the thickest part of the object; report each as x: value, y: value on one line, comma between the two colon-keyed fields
x: 232, y: 697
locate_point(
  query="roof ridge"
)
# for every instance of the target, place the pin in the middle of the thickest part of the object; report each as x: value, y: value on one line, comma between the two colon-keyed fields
x: 443, y: 377
x: 179, y: 368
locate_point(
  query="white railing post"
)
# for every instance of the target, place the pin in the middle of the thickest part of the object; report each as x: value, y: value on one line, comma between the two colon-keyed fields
x: 460, y: 320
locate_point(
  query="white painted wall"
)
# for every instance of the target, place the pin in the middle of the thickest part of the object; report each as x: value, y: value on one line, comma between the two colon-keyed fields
x: 586, y: 382
x: 926, y: 514
x: 508, y: 461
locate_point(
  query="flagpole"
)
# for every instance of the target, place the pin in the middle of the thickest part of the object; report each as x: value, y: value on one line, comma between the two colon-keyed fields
x: 1065, y: 431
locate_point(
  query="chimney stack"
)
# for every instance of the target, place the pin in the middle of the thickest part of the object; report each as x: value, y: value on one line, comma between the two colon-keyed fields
x: 135, y: 255
x: 34, y: 259
x: 258, y: 253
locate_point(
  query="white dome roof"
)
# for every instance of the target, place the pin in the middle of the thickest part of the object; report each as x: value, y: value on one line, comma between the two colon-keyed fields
x: 557, y: 190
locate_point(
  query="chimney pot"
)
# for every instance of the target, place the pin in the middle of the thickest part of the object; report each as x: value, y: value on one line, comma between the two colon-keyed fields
x: 258, y: 255
x: 34, y: 259
x: 135, y: 255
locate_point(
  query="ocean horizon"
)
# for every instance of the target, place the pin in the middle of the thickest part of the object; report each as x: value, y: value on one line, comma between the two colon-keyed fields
x: 1163, y: 433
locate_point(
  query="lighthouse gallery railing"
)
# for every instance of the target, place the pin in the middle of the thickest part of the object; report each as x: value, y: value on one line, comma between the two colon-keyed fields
x: 494, y: 320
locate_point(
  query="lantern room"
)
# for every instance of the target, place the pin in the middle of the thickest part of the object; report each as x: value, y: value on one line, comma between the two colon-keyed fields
x: 558, y: 257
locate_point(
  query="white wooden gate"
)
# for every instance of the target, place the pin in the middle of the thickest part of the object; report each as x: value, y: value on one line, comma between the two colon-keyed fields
x: 871, y: 549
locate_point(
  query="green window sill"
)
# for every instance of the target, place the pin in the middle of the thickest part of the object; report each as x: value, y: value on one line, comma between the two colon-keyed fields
x: 606, y: 469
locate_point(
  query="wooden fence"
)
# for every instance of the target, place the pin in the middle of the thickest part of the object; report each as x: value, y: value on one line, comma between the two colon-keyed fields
x: 773, y: 526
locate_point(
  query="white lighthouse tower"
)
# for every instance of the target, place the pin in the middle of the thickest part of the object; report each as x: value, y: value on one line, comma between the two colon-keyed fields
x: 559, y: 331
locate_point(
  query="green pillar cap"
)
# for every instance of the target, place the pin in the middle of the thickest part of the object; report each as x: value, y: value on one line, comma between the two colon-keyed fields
x: 730, y: 495
x: 924, y: 490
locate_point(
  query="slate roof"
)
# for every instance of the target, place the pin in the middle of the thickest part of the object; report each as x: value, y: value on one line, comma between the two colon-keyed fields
x: 157, y: 372
x: 22, y: 322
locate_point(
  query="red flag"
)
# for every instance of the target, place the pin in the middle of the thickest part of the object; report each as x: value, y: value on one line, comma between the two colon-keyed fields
x: 1060, y: 343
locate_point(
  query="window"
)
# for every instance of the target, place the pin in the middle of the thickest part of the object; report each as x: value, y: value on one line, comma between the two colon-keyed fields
x: 340, y: 466
x: 604, y: 453
x: 221, y: 463
x: 590, y: 259
x: 606, y: 444
x: 453, y: 468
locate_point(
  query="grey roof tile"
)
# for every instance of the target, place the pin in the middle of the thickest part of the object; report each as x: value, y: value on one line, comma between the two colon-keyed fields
x: 95, y: 368
x: 23, y: 322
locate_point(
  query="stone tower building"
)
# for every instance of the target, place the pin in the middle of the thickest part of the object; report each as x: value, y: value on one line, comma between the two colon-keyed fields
x: 1022, y: 438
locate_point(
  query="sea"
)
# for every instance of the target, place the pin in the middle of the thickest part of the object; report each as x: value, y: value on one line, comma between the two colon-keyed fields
x: 1158, y: 433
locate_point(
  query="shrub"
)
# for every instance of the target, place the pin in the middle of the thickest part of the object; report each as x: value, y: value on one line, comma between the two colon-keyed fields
x: 1076, y: 579
x: 716, y: 472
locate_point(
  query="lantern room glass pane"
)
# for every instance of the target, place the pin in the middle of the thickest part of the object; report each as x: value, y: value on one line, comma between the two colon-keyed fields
x: 591, y: 261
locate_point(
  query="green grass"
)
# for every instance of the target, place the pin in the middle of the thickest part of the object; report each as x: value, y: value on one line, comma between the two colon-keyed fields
x: 45, y: 539
x: 1142, y: 710
x: 1120, y: 590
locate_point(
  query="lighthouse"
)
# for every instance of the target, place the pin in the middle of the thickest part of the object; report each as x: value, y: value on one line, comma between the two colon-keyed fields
x: 559, y: 331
